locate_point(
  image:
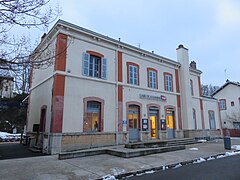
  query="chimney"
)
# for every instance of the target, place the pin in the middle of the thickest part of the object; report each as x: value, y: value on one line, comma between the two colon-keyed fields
x: 193, y: 65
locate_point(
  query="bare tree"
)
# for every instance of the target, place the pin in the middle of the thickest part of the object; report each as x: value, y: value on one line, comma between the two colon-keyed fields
x: 16, y: 52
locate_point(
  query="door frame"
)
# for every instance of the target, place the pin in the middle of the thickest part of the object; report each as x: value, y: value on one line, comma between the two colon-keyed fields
x: 157, y: 107
x: 134, y: 103
x: 173, y: 109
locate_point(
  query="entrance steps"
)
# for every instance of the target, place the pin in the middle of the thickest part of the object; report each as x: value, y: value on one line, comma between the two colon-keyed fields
x: 161, y: 143
x: 132, y: 149
x: 36, y: 149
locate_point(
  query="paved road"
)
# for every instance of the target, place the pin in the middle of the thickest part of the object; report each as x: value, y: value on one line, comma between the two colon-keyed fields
x: 219, y: 169
x: 12, y: 150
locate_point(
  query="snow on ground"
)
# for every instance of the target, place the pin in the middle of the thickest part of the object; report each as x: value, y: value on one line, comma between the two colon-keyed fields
x: 202, y: 140
x: 177, y: 166
x: 109, y: 177
x: 236, y: 147
x: 193, y: 149
x: 117, y: 171
x: 200, y: 160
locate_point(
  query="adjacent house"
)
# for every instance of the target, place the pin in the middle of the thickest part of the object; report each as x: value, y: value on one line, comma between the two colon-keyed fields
x: 6, y: 84
x: 98, y: 91
x: 228, y: 96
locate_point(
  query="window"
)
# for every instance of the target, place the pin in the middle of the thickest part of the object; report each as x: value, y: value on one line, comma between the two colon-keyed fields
x: 212, y: 120
x: 93, y: 116
x: 152, y: 78
x: 194, y: 119
x: 168, y: 81
x: 191, y: 86
x: 222, y: 104
x: 236, y: 125
x: 232, y: 103
x: 94, y: 65
x: 133, y: 73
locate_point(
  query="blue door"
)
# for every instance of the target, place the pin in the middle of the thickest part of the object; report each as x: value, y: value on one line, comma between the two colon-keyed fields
x: 133, y: 123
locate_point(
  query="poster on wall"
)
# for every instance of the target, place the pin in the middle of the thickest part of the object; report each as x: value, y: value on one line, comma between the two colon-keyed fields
x: 144, y: 124
x: 163, y: 124
x: 124, y: 122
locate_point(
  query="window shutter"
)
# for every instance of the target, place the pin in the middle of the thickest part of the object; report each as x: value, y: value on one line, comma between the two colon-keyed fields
x: 85, y: 65
x: 104, y: 68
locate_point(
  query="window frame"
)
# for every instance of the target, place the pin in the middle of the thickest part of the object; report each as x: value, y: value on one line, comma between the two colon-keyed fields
x: 89, y: 57
x: 134, y: 65
x: 150, y: 84
x: 194, y: 118
x: 209, y: 117
x: 166, y: 85
x: 191, y: 86
x: 224, y: 103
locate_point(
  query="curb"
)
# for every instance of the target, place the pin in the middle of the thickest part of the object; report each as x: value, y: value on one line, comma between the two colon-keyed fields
x: 163, y: 167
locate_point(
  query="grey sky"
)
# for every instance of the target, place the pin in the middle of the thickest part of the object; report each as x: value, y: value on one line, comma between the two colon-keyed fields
x: 208, y: 28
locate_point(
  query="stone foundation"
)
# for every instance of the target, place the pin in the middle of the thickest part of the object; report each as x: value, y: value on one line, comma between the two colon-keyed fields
x: 202, y: 134
x: 75, y: 141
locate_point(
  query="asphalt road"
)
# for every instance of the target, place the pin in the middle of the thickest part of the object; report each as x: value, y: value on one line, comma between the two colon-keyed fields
x: 227, y: 168
x: 12, y: 150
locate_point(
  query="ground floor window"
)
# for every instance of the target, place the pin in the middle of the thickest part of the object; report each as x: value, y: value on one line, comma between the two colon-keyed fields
x: 93, y: 116
x: 236, y: 125
x: 212, y: 120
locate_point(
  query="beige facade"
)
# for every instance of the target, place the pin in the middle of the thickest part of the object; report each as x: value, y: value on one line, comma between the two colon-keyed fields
x: 99, y: 91
x: 229, y: 104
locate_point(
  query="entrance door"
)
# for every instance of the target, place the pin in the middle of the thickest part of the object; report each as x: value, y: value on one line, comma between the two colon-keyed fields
x: 170, y: 123
x: 133, y: 121
x: 153, y: 122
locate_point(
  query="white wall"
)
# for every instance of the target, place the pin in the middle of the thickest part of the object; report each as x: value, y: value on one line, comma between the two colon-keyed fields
x: 42, y: 95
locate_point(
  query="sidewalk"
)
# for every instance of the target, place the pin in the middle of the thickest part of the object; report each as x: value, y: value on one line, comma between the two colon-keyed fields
x: 94, y: 167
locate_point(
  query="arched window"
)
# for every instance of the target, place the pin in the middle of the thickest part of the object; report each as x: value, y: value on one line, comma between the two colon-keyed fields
x: 93, y: 114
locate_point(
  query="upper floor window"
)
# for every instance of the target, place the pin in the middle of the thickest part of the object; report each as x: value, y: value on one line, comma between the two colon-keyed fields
x: 152, y: 78
x: 133, y: 73
x: 191, y: 86
x: 168, y: 82
x: 232, y: 103
x: 94, y: 65
x: 212, y: 120
x: 222, y: 104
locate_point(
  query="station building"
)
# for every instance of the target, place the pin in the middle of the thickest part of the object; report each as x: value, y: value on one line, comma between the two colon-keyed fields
x: 97, y: 91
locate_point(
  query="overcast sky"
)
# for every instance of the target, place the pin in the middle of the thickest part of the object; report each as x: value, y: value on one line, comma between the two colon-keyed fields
x: 210, y: 29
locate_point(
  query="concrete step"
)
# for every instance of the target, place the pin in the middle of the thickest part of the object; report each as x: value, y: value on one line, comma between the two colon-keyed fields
x: 35, y: 150
x: 125, y: 153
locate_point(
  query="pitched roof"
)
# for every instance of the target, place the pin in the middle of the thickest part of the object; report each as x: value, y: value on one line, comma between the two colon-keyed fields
x: 226, y: 84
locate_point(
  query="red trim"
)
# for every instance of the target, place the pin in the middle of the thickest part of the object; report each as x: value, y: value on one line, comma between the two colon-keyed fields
x: 120, y: 66
x: 199, y: 87
x: 93, y: 53
x: 120, y: 108
x: 177, y: 81
x: 148, y: 72
x: 133, y: 64
x: 209, y: 119
x: 167, y: 74
x: 61, y: 52
x: 101, y: 101
x: 225, y: 102
x: 179, y: 112
x: 129, y: 103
